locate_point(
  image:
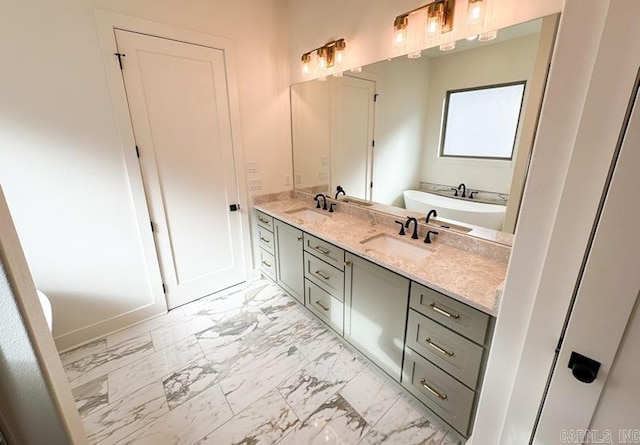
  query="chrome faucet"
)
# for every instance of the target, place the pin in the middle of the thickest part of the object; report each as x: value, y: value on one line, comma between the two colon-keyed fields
x: 431, y: 213
x: 324, y: 200
x: 464, y: 190
x: 410, y: 220
x: 339, y: 190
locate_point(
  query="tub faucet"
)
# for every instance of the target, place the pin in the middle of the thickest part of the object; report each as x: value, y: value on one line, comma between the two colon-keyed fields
x: 324, y: 200
x: 410, y: 220
x: 339, y: 190
x: 464, y: 190
x: 431, y: 213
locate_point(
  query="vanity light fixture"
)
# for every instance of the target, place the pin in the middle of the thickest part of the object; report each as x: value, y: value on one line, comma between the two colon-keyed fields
x: 439, y: 20
x: 329, y: 55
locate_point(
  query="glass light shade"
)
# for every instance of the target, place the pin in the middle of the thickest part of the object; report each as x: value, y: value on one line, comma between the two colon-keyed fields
x: 357, y: 69
x: 489, y: 35
x: 306, y: 65
x: 322, y: 59
x: 434, y: 24
x: 415, y: 55
x: 475, y: 15
x: 448, y: 46
x: 435, y: 19
x: 400, y: 37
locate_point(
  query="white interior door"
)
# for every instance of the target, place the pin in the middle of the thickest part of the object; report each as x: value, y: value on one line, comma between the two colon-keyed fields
x: 352, y: 146
x: 605, y: 299
x: 177, y: 95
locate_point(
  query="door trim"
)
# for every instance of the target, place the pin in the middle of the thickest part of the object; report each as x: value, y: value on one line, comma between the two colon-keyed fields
x: 106, y: 23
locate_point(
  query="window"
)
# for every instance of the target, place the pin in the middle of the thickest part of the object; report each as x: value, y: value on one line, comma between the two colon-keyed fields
x: 482, y: 122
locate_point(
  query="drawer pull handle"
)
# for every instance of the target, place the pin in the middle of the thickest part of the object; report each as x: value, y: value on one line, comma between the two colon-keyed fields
x: 266, y: 264
x: 322, y: 250
x: 265, y: 240
x: 432, y: 391
x: 322, y: 306
x: 322, y: 275
x: 262, y: 220
x: 443, y: 312
x: 438, y: 348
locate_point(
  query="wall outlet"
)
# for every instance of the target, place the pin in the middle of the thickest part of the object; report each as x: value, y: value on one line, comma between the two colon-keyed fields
x: 252, y: 166
x: 255, y: 184
x: 298, y: 179
x: 323, y: 176
x: 324, y: 161
x: 287, y: 180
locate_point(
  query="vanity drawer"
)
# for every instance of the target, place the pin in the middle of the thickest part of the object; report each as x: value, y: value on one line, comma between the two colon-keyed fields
x: 265, y: 220
x: 324, y: 275
x: 443, y: 394
x: 267, y: 263
x: 322, y: 249
x: 451, y: 352
x: 457, y: 316
x: 324, y: 306
x: 265, y: 240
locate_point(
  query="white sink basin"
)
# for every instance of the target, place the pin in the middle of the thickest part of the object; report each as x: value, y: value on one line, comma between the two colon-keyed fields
x: 308, y: 215
x: 392, y: 246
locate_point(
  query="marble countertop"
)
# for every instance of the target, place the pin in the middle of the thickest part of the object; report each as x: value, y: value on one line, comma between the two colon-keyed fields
x: 465, y: 276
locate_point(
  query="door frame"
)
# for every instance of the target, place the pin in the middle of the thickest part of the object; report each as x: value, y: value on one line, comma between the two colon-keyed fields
x: 106, y: 23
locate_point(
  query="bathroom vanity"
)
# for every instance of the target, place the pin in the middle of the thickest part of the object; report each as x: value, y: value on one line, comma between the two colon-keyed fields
x: 423, y: 313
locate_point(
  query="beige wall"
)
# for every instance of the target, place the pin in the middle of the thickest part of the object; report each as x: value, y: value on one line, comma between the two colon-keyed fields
x: 62, y: 166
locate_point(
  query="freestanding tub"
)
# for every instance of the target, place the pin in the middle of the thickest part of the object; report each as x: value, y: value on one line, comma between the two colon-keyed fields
x: 46, y: 308
x: 476, y: 213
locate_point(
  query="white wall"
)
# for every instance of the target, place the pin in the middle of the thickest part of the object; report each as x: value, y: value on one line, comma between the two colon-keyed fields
x: 311, y: 131
x: 402, y: 88
x: 501, y: 62
x: 62, y: 167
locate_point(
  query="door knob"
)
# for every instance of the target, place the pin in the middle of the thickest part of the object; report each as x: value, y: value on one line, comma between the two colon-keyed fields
x: 583, y: 368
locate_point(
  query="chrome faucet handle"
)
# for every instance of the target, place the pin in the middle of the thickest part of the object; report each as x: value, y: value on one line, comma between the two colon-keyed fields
x: 401, y: 227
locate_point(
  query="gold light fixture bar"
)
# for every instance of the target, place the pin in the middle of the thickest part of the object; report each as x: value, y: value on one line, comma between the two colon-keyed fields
x: 326, y: 52
x: 445, y: 6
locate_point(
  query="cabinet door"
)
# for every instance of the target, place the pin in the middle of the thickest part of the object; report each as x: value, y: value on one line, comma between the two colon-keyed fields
x: 290, y: 270
x: 376, y: 302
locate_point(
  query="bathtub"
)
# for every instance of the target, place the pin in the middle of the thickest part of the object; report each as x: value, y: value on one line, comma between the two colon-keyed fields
x: 46, y: 308
x: 476, y: 213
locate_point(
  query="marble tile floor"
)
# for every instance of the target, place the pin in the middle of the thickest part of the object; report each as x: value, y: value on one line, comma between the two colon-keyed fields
x: 245, y: 366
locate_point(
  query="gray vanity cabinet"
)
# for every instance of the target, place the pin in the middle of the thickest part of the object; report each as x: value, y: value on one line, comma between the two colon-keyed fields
x: 289, y: 260
x: 266, y: 241
x: 376, y: 302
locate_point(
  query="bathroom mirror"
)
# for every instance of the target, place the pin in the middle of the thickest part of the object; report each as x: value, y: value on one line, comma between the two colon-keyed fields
x: 377, y: 133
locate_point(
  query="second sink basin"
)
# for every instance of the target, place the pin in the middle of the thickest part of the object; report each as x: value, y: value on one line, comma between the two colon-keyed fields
x: 307, y: 215
x: 391, y: 245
